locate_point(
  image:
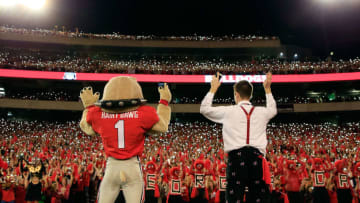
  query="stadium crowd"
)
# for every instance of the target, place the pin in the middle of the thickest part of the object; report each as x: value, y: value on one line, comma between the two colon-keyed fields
x: 62, y: 95
x: 118, y: 36
x: 279, y: 100
x: 52, y: 95
x: 21, y: 59
x: 67, y: 166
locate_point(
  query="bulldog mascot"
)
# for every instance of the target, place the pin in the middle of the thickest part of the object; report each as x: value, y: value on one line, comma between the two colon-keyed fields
x: 122, y: 119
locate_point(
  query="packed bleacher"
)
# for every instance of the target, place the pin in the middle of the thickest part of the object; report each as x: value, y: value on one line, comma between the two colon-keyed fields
x: 63, y: 95
x: 117, y: 36
x: 279, y: 100
x: 34, y: 60
x: 73, y: 163
x: 51, y: 95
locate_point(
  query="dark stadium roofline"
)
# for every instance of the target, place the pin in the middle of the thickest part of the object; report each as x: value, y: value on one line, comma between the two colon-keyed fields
x: 289, y: 78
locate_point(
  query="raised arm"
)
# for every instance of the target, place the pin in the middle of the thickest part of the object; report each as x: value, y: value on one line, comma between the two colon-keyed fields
x: 271, y: 110
x: 26, y: 180
x: 215, y: 114
x: 88, y: 99
x: 163, y: 110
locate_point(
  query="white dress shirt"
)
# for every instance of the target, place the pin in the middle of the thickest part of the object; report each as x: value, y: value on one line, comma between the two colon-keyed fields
x: 234, y: 122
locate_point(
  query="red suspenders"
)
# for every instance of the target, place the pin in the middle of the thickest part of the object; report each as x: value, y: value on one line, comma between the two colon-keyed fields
x: 248, y: 122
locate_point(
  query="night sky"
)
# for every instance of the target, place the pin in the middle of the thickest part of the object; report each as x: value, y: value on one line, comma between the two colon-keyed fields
x: 309, y: 23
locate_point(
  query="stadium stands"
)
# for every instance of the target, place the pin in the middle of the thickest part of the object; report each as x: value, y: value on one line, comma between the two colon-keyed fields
x: 75, y: 161
x: 20, y: 59
x: 118, y: 36
x: 63, y: 95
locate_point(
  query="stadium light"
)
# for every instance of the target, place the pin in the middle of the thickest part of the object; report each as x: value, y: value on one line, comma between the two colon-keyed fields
x: 313, y: 93
x: 354, y: 91
x: 327, y: 1
x: 281, y: 54
x: 296, y: 56
x: 32, y: 4
x: 8, y: 3
x: 337, y: 3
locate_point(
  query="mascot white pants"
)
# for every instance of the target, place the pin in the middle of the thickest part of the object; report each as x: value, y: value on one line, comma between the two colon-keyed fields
x: 133, y: 186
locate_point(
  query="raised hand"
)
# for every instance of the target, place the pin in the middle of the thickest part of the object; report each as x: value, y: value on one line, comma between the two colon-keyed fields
x: 267, y: 83
x: 215, y: 83
x: 165, y: 93
x: 87, y: 96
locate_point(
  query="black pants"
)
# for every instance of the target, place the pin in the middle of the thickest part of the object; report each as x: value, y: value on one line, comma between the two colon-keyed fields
x: 175, y: 198
x: 222, y: 197
x: 295, y: 197
x: 321, y: 195
x: 344, y: 195
x: 87, y: 197
x: 80, y: 196
x: 244, y: 175
x: 200, y: 198
x: 276, y: 197
x: 150, y: 196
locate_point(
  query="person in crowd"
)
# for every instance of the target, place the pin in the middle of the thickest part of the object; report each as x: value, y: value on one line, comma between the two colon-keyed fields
x: 151, y: 173
x: 35, y: 181
x: 292, y: 177
x: 8, y: 189
x: 342, y: 181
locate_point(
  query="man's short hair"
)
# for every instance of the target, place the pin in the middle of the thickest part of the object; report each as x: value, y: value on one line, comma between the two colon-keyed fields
x: 244, y: 88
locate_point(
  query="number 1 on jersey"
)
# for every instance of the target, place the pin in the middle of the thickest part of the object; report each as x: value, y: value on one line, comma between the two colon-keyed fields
x: 121, y: 139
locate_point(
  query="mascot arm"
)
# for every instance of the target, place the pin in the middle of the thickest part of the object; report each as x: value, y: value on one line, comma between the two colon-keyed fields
x: 85, y: 126
x: 88, y: 99
x: 164, y: 113
x: 163, y: 110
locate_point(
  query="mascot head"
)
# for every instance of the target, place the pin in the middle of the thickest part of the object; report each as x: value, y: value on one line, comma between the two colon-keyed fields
x: 121, y: 94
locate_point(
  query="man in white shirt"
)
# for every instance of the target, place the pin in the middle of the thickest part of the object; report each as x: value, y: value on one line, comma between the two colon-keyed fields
x: 244, y: 135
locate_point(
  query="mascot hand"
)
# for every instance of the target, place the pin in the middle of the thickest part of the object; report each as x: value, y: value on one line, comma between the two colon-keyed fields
x: 87, y: 96
x: 165, y: 93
